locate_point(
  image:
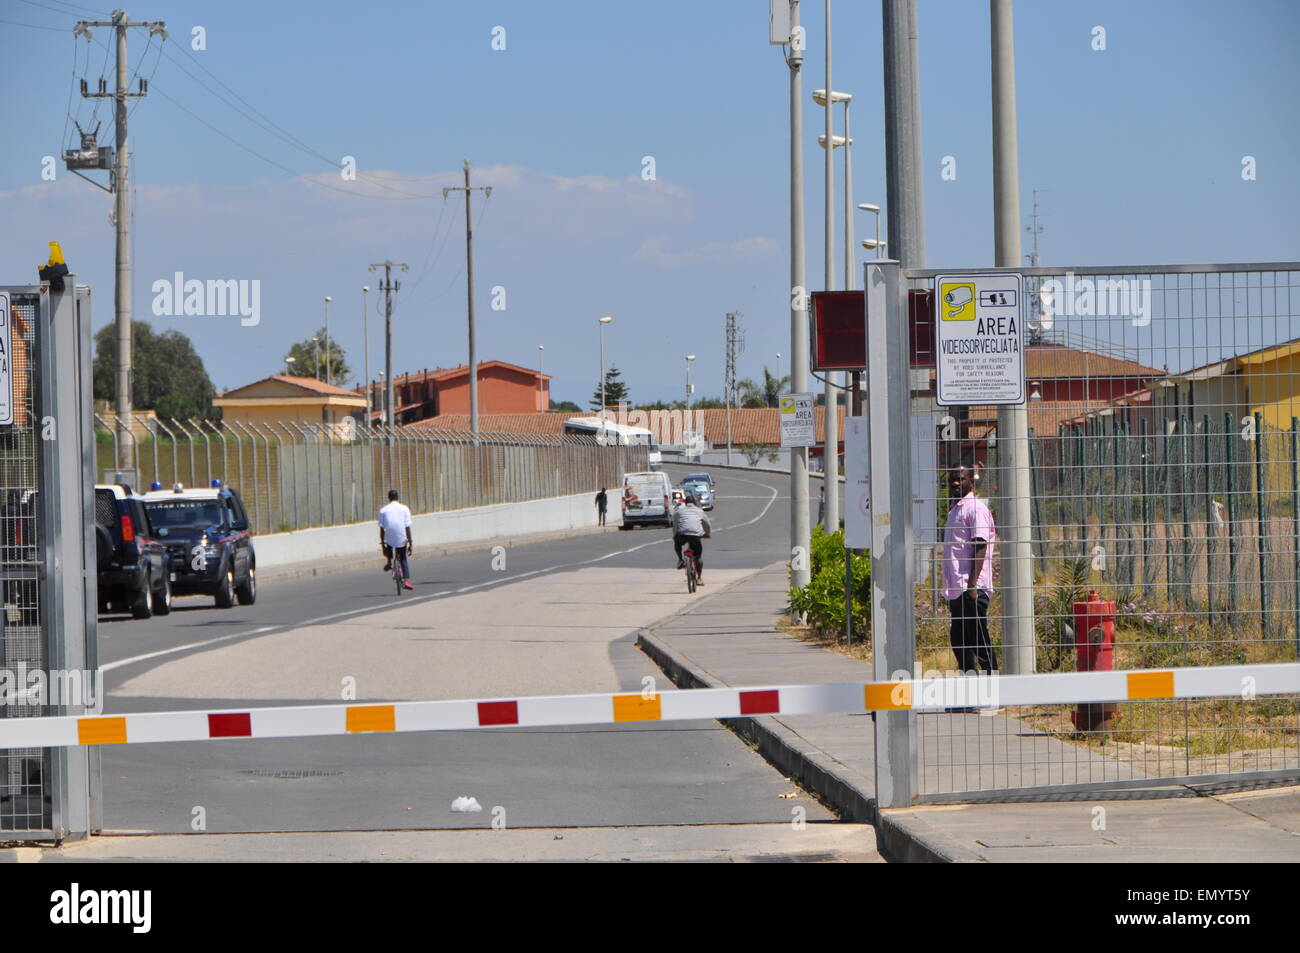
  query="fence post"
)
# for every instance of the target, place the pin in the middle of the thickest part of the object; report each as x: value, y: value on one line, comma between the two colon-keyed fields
x: 1146, y: 507
x: 293, y: 475
x: 153, y: 435
x: 270, y: 526
x: 207, y: 448
x: 1184, y: 505
x: 1229, y: 433
x: 1166, y: 515
x: 1209, y: 521
x: 1259, y: 525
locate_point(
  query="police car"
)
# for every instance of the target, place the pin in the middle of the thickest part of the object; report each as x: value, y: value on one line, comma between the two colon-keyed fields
x: 208, y: 539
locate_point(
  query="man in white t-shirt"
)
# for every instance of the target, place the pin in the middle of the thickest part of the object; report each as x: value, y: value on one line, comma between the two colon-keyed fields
x: 395, y: 536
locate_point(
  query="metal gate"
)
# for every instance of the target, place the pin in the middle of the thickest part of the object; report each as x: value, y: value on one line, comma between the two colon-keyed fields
x: 47, y: 565
x: 1164, y: 429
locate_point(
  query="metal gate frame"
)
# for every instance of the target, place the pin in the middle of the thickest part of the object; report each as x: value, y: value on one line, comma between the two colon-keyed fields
x: 66, y: 575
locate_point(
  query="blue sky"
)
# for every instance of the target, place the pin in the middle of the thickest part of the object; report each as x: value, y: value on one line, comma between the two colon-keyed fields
x: 1140, y: 144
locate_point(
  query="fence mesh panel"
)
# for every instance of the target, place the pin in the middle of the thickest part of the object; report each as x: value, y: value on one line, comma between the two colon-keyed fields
x: 1165, y: 476
x: 24, y: 800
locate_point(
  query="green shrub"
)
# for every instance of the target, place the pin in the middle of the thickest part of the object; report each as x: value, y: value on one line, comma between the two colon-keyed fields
x: 822, y: 600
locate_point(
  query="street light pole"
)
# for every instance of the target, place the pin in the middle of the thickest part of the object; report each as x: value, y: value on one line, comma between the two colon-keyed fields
x: 689, y: 358
x: 800, y: 537
x: 602, y: 322
x: 541, y: 393
x: 329, y: 364
x: 365, y: 333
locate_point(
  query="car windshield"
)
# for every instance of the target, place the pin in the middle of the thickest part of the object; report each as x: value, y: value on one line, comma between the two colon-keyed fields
x: 184, y: 514
x: 696, y: 480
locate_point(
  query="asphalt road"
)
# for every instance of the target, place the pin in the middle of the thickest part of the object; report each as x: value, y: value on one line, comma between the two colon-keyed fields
x: 669, y: 774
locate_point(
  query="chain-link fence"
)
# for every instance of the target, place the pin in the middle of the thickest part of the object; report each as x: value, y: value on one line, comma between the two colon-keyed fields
x: 293, y: 475
x: 1165, y: 478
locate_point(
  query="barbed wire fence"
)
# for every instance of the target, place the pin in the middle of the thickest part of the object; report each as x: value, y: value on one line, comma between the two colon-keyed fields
x: 292, y: 475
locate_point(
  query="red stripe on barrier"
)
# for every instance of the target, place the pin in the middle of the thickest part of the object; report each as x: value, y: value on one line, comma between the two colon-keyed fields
x: 760, y: 703
x: 237, y: 725
x: 498, y: 713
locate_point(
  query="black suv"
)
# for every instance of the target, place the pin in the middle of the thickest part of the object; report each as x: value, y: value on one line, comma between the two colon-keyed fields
x: 209, y: 542
x: 132, y: 566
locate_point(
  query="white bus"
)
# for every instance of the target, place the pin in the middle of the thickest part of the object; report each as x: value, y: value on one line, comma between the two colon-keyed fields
x: 607, y: 431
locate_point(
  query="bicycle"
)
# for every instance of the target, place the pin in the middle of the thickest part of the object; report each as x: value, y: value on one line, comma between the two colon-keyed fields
x: 692, y: 573
x: 397, y: 553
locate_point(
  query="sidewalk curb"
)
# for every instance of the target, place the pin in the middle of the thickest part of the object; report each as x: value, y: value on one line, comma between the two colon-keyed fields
x: 901, y: 836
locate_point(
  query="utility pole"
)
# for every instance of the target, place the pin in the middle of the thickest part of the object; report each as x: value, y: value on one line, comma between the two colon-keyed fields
x: 388, y: 286
x: 1013, y: 419
x: 892, y: 564
x: 735, y: 346
x: 830, y: 417
x: 469, y: 287
x: 800, y: 536
x: 121, y: 187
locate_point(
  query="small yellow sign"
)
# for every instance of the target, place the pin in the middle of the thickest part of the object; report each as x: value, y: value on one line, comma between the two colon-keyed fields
x: 958, y: 300
x: 788, y: 405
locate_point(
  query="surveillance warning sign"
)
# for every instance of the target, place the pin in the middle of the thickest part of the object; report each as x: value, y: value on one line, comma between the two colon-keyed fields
x: 980, y: 339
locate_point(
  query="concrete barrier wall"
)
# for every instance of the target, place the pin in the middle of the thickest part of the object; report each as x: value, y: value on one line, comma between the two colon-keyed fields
x: 501, y: 520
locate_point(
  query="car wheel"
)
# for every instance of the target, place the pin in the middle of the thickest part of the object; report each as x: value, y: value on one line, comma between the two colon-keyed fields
x: 226, y: 591
x: 247, y: 593
x: 140, y: 608
x: 162, y: 599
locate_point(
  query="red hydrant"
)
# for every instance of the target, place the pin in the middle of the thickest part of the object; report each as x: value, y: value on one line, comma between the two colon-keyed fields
x: 1094, y: 644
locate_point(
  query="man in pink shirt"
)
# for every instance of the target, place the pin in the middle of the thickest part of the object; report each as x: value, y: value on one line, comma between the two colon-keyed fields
x: 968, y: 572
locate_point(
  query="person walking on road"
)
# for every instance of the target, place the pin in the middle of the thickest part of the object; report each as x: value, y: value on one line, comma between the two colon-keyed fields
x: 395, y: 536
x: 602, y: 504
x: 968, y: 572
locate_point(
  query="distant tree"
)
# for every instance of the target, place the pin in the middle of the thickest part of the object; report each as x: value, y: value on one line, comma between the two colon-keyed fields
x: 749, y: 394
x: 663, y: 405
x: 566, y: 405
x: 168, y: 376
x: 615, y: 390
x: 772, y: 387
x: 310, y: 359
x: 708, y: 403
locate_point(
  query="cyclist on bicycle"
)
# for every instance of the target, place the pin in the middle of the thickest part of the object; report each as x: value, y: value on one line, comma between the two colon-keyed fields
x: 395, y: 536
x: 690, y: 525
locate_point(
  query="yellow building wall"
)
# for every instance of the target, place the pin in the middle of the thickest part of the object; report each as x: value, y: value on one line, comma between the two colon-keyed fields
x: 1274, y: 388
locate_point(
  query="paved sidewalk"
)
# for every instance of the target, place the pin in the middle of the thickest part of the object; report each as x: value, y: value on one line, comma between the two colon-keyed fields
x: 729, y: 638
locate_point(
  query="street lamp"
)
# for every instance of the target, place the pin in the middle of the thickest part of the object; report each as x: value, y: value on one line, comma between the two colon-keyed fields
x: 541, y: 393
x: 826, y: 97
x: 365, y: 333
x: 288, y: 365
x: 778, y: 370
x: 329, y: 367
x: 875, y: 243
x: 689, y: 388
x: 603, y: 321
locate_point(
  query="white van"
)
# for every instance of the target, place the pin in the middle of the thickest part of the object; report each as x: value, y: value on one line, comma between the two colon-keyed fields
x: 647, y: 498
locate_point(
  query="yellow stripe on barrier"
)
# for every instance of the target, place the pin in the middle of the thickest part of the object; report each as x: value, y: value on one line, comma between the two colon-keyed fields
x: 637, y: 708
x: 101, y: 731
x: 1151, y: 685
x: 371, y: 718
x: 888, y: 696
